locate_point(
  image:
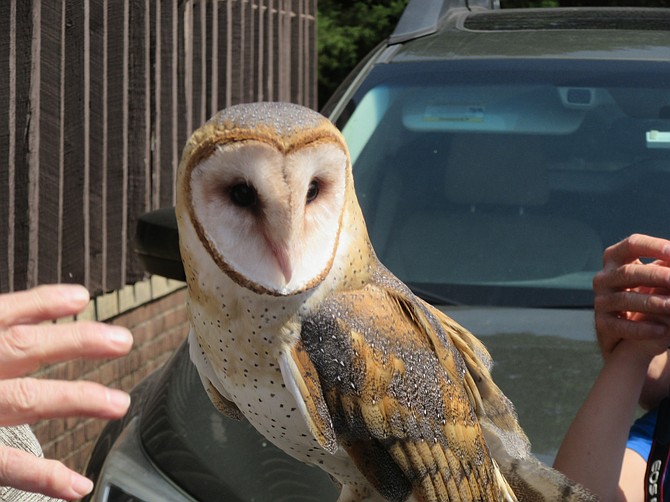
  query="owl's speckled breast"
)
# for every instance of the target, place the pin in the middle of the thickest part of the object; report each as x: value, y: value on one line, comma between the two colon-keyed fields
x: 243, y: 341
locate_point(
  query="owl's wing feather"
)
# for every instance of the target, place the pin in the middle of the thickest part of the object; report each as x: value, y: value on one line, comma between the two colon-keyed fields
x: 302, y: 381
x: 496, y: 411
x: 400, y: 396
x: 530, y: 478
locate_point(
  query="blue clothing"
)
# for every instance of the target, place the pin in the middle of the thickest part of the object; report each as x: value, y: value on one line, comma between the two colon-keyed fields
x: 642, y: 433
x: 640, y: 440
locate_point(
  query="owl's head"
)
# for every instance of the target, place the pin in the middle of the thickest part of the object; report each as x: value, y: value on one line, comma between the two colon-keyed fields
x: 262, y: 188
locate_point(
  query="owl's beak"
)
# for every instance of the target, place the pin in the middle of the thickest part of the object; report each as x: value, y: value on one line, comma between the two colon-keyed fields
x: 284, y: 265
x: 281, y: 254
x: 280, y: 237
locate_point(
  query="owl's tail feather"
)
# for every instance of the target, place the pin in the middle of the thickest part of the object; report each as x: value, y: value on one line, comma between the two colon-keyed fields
x: 531, y: 480
x: 508, y: 494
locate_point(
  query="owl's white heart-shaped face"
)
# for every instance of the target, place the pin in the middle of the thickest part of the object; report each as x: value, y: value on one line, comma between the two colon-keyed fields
x: 270, y: 219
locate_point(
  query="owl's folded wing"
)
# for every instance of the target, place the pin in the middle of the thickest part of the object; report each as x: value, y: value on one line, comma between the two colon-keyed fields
x: 401, y: 407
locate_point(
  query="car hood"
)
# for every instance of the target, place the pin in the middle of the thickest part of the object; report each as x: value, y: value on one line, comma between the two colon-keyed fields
x: 483, y: 322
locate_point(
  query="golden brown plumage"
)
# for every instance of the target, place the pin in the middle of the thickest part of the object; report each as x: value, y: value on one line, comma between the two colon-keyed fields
x: 298, y: 327
x: 397, y: 394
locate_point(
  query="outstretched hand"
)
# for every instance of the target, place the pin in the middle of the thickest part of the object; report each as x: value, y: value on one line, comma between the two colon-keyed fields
x: 26, y: 343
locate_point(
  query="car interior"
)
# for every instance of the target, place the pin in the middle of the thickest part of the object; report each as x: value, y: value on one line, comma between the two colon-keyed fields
x: 531, y: 196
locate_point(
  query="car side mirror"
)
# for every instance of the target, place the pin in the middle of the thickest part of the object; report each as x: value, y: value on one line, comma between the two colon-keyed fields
x: 157, y: 244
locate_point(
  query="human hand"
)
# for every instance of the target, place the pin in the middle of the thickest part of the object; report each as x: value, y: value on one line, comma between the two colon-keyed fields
x: 24, y: 346
x: 632, y: 298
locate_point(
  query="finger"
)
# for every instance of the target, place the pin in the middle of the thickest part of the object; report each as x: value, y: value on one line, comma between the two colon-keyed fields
x: 611, y: 330
x: 632, y: 301
x: 632, y: 275
x: 637, y: 246
x: 26, y: 400
x: 24, y: 471
x: 25, y: 348
x: 42, y: 303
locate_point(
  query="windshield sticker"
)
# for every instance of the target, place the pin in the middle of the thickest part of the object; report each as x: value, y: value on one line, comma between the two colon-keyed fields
x: 454, y: 113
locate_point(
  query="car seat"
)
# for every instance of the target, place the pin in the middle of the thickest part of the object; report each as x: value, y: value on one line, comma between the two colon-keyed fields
x: 492, y: 227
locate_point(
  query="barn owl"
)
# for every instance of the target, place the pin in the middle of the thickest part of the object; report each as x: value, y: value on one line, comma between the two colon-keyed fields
x: 297, y: 327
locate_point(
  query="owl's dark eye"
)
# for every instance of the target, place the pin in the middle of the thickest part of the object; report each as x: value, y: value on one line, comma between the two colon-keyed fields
x: 312, y: 191
x: 243, y: 195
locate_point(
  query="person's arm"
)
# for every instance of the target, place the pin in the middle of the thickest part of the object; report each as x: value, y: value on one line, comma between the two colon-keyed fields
x: 632, y: 318
x: 631, y: 479
x: 593, y: 448
x: 25, y: 344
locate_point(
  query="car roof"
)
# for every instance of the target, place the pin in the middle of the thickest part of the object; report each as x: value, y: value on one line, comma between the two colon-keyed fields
x: 453, y: 30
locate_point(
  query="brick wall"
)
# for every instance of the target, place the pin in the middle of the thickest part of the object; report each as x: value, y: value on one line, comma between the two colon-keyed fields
x: 155, y: 312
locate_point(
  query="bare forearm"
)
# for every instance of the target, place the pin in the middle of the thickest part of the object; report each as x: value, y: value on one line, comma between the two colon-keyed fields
x: 593, y: 448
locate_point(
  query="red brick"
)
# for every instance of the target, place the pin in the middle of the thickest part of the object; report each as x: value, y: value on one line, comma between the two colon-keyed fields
x: 63, y: 446
x: 56, y: 428
x: 142, y: 334
x: 92, y: 429
x: 127, y: 383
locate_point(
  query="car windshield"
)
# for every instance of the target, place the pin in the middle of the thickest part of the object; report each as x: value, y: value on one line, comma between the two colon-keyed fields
x: 501, y: 182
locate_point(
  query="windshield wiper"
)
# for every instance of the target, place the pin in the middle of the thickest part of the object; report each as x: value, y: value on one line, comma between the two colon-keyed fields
x: 432, y: 297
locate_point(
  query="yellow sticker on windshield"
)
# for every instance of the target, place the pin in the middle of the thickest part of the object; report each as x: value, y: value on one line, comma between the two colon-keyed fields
x: 453, y: 113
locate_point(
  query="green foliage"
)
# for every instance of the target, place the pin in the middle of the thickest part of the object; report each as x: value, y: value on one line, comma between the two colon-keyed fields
x: 347, y: 31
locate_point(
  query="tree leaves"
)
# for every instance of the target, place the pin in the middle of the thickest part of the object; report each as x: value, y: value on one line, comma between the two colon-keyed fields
x: 347, y: 31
